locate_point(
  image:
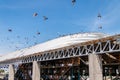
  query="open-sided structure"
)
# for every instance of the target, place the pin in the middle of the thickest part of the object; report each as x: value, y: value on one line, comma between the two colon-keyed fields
x: 73, y: 57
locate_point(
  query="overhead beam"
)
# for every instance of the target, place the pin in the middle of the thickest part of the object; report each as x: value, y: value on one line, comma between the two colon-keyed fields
x: 111, y: 56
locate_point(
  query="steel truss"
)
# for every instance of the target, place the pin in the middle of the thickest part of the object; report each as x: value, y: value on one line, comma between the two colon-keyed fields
x: 107, y: 45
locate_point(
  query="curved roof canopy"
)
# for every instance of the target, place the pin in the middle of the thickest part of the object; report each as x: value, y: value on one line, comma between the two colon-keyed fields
x: 54, y: 44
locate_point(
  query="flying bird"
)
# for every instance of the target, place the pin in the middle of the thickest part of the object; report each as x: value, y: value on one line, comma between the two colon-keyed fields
x: 45, y: 18
x: 38, y: 33
x: 99, y: 15
x: 34, y: 36
x: 10, y: 30
x: 35, y: 14
x: 8, y: 38
x: 100, y: 27
x: 18, y: 36
x: 35, y: 43
x: 73, y: 2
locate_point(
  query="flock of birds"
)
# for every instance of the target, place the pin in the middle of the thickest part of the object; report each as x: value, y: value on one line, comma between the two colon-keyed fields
x: 10, y: 30
x: 99, y: 17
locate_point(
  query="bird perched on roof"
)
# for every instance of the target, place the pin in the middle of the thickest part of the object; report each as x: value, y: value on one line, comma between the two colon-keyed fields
x: 45, y: 18
x: 73, y: 2
x: 35, y: 14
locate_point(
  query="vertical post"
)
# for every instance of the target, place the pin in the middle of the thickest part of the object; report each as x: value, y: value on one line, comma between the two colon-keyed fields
x: 72, y: 73
x: 36, y: 71
x: 110, y: 73
x: 119, y: 69
x: 95, y: 67
x: 11, y: 72
x: 105, y: 72
x: 78, y: 75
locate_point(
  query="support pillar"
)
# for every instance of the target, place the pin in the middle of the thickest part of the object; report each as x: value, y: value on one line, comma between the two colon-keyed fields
x: 36, y: 71
x: 95, y: 67
x: 72, y: 73
x: 78, y: 75
x: 119, y: 69
x: 11, y: 72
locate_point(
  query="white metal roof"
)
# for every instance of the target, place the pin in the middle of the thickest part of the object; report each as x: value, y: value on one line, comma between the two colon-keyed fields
x: 54, y: 44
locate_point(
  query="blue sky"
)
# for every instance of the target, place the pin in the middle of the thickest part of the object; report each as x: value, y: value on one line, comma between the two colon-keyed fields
x: 63, y: 18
